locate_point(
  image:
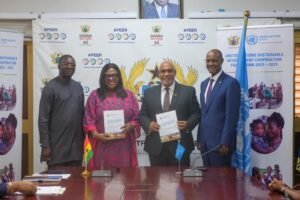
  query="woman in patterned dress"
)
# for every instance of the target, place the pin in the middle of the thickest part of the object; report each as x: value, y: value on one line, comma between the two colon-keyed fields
x: 108, y: 151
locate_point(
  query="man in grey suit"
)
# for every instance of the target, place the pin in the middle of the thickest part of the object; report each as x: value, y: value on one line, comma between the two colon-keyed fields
x: 220, y: 102
x: 184, y: 101
x: 160, y: 9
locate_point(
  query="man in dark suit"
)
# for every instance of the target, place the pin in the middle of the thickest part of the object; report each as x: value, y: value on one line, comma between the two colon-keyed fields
x: 160, y: 9
x: 220, y: 103
x: 184, y: 101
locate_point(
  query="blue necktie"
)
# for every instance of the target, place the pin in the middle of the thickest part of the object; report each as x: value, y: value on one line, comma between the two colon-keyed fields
x: 163, y: 13
x: 209, y: 90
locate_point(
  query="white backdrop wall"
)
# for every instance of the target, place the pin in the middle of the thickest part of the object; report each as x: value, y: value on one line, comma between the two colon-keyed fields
x: 125, y: 42
x: 40, y: 6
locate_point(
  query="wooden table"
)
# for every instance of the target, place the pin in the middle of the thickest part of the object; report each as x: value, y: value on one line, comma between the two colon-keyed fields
x: 153, y: 183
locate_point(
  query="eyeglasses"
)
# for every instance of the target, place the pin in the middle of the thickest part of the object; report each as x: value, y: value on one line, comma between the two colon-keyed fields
x: 111, y: 76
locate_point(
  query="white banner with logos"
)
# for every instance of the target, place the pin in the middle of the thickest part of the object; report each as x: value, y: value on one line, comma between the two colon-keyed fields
x: 93, y: 43
x: 270, y: 67
x: 11, y: 99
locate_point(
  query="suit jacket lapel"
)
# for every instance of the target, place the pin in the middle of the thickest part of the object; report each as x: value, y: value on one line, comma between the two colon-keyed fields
x: 202, y: 96
x: 216, y: 88
x: 176, y: 93
x: 158, y: 99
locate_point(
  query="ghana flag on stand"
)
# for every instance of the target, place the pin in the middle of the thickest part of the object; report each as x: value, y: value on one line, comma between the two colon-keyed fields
x: 88, y: 152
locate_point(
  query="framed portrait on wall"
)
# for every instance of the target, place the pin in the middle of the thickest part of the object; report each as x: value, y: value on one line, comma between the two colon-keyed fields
x: 160, y: 9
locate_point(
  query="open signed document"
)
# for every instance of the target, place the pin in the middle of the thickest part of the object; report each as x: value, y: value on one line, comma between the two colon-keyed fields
x: 168, y: 126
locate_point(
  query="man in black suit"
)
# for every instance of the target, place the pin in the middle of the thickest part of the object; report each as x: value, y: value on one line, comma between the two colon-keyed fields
x: 184, y: 101
x: 160, y: 9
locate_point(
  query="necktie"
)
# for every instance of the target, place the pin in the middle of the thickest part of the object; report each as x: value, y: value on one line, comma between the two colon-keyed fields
x: 209, y: 90
x: 166, y: 104
x: 163, y: 13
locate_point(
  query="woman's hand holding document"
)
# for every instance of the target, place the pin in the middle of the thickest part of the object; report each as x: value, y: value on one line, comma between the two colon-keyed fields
x: 113, y: 121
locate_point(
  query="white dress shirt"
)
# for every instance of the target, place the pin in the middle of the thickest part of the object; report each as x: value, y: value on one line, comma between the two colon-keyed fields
x: 158, y: 9
x: 215, y: 77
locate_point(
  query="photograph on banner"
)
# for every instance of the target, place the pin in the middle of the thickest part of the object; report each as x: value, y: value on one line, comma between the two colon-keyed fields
x: 267, y: 174
x: 160, y: 9
x: 265, y: 96
x: 8, y: 127
x: 7, y: 173
x: 266, y: 90
x: 8, y: 97
x: 266, y: 133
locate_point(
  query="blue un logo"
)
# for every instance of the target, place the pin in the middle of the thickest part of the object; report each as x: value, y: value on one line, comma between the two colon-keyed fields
x: 252, y: 39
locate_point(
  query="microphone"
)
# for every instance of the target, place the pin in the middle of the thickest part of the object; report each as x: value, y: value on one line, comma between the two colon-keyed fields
x: 102, y: 172
x: 192, y: 172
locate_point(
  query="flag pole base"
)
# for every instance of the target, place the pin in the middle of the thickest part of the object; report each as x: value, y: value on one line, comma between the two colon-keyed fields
x: 192, y: 173
x: 85, y: 173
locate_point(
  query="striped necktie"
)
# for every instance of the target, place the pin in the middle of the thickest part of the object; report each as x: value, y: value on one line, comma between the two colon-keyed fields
x: 166, y: 104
